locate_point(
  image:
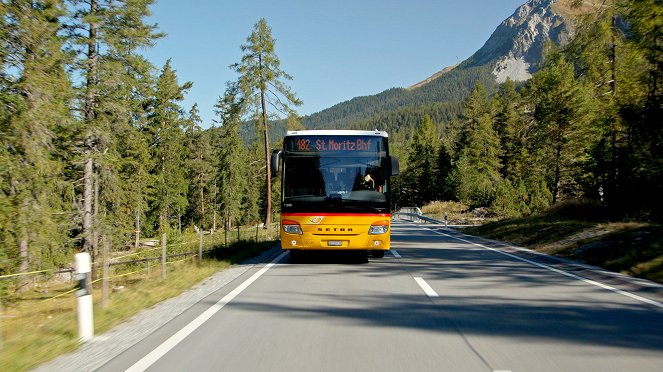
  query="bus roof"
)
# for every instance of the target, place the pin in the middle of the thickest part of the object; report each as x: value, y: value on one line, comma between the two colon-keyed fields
x: 340, y: 132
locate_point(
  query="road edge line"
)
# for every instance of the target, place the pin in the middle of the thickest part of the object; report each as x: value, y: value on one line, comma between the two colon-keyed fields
x: 161, y: 350
x: 558, y: 271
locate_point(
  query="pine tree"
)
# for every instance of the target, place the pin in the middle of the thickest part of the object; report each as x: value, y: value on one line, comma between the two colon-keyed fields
x: 561, y: 114
x: 36, y: 91
x: 511, y: 127
x: 641, y: 106
x: 520, y: 193
x: 607, y: 62
x: 443, y: 170
x: 475, y: 106
x: 252, y: 203
x: 419, y: 180
x: 233, y: 167
x: 294, y: 123
x: 261, y: 83
x: 106, y: 36
x: 203, y: 164
x: 476, y: 173
x: 135, y: 167
x: 165, y: 124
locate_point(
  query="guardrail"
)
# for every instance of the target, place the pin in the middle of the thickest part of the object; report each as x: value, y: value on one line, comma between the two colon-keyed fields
x: 414, y: 217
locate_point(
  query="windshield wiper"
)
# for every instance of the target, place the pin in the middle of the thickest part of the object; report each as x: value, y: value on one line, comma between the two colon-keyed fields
x: 301, y: 196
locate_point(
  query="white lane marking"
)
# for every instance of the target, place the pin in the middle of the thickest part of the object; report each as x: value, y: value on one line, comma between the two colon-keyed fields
x: 430, y: 292
x: 570, y: 275
x: 175, y: 339
x: 393, y: 252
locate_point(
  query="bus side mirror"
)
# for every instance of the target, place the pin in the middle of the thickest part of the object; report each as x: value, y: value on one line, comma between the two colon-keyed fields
x: 395, y: 168
x: 274, y: 165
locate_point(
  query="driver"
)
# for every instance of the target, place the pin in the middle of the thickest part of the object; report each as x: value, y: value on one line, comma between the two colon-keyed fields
x: 371, y: 184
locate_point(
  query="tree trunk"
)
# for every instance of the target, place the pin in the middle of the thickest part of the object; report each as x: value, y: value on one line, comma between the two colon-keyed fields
x: 89, y: 140
x: 612, y: 190
x: 2, y: 314
x: 226, y: 219
x: 202, y: 196
x: 215, y: 207
x: 164, y: 268
x: 95, y: 219
x: 24, y: 264
x: 268, y: 178
x: 137, y: 229
x: 105, y: 292
x: 558, y: 171
x: 87, y: 199
x: 162, y: 228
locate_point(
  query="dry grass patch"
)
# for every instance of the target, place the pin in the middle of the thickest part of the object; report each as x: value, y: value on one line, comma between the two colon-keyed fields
x: 36, y: 327
x: 458, y: 213
x: 632, y: 248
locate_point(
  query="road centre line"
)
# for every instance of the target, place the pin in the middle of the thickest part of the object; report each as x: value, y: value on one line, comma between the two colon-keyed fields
x: 430, y: 292
x: 175, y: 339
x: 570, y: 275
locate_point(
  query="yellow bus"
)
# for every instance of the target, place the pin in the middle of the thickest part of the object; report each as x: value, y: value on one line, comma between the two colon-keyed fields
x: 336, y: 190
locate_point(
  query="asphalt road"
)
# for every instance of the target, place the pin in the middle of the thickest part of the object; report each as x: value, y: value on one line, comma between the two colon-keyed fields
x: 440, y: 302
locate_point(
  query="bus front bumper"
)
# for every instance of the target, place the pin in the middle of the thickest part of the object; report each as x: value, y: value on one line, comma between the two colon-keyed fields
x: 337, y: 242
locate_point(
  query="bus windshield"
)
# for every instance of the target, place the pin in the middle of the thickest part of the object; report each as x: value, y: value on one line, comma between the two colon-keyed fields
x: 328, y: 177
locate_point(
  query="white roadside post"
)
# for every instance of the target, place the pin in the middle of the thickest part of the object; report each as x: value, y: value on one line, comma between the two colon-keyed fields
x: 84, y: 296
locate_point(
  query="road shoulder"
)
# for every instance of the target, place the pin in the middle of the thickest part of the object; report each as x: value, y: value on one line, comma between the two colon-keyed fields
x: 104, y: 347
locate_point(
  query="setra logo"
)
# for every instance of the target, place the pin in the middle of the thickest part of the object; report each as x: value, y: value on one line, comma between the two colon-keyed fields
x: 335, y: 229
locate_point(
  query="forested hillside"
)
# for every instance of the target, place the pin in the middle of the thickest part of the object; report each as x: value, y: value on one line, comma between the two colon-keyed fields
x: 453, y: 86
x: 95, y: 142
x: 587, y: 124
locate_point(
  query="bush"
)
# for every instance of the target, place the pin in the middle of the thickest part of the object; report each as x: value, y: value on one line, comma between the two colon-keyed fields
x: 510, y: 201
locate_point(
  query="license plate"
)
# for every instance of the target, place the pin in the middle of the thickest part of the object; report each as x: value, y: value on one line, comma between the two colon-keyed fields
x: 334, y: 243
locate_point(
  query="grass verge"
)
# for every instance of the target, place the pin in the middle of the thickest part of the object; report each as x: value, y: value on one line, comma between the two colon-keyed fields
x: 582, y: 233
x: 36, y: 328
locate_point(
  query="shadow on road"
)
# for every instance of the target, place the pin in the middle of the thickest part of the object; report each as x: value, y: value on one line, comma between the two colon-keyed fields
x: 578, y: 323
x: 327, y: 257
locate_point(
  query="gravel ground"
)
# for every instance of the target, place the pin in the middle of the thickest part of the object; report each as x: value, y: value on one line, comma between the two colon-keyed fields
x: 102, y: 348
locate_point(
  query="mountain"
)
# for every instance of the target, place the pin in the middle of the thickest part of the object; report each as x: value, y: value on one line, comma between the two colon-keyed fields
x: 512, y: 51
x: 515, y: 48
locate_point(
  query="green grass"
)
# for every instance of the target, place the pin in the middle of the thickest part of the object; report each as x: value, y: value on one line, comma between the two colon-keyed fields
x: 36, y: 329
x: 583, y: 233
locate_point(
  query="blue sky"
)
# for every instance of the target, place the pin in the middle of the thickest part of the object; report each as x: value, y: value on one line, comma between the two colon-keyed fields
x: 334, y: 50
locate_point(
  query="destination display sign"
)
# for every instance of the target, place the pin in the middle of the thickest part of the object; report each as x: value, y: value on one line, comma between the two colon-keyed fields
x: 333, y: 144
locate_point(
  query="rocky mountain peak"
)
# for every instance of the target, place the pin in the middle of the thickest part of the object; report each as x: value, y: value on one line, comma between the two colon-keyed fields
x: 516, y: 46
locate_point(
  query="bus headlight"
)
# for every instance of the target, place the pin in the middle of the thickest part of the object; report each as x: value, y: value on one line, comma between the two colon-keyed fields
x: 379, y: 228
x: 291, y: 227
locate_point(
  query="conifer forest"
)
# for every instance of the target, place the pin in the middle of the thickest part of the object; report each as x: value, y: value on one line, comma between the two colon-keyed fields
x: 95, y: 141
